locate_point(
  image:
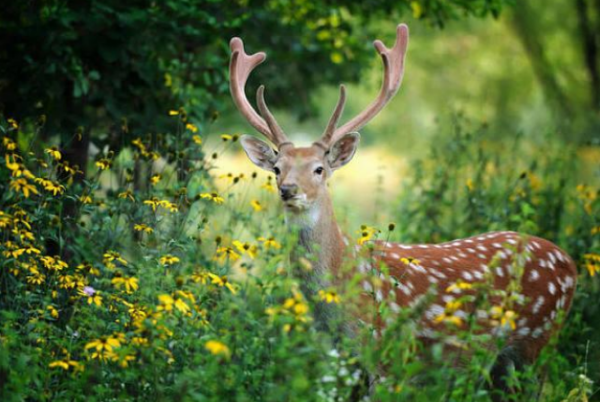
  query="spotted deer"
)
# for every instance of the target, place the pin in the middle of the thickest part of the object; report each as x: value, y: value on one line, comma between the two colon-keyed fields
x: 548, y: 274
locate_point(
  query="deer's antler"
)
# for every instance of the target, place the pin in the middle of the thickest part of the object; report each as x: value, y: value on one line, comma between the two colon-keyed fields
x: 240, y: 68
x: 393, y: 71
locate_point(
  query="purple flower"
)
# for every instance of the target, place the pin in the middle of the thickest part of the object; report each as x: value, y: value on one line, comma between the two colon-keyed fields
x: 89, y: 291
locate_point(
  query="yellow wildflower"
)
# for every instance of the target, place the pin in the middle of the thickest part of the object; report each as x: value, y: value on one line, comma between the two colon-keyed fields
x: 329, y: 296
x: 141, y: 227
x: 449, y: 315
x: 23, y: 186
x: 458, y: 286
x: 269, y: 242
x: 128, y: 194
x: 503, y: 317
x: 155, y: 179
x: 222, y: 281
x: 366, y: 234
x: 256, y: 205
x: 245, y: 248
x: 191, y: 127
x: 197, y: 139
x: 409, y: 260
x: 129, y: 283
x: 226, y: 253
x: 173, y: 112
x: 85, y: 199
x: 54, y: 153
x: 269, y: 186
x: 169, y: 260
x: 592, y: 263
x: 217, y: 348
x: 104, y: 164
x: 214, y: 197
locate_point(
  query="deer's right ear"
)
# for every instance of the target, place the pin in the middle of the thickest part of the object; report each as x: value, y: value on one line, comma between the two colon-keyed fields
x: 259, y: 152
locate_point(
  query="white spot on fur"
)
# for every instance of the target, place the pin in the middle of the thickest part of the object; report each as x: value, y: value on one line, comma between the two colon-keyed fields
x: 538, y: 304
x: 551, y: 288
x: 499, y: 272
x: 523, y: 331
x: 467, y: 276
x: 534, y: 275
x: 434, y: 311
x: 367, y: 286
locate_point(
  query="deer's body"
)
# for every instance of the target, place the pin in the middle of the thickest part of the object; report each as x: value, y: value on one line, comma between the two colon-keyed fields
x: 548, y: 276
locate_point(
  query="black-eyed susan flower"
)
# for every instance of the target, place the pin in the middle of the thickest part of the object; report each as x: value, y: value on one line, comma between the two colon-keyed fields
x: 502, y: 317
x: 169, y: 260
x: 222, y: 281
x: 366, y: 234
x: 410, y: 260
x: 592, y: 263
x: 197, y: 139
x: 85, y: 199
x: 54, y: 153
x: 459, y: 286
x: 449, y: 316
x: 256, y: 205
x: 155, y: 179
x: 329, y: 296
x: 153, y: 203
x: 269, y: 242
x: 217, y: 348
x: 142, y: 227
x: 192, y: 127
x: 214, y: 197
x: 104, y: 164
x: 130, y: 284
x: 245, y: 248
x: 268, y: 186
x: 127, y: 195
x: 21, y: 185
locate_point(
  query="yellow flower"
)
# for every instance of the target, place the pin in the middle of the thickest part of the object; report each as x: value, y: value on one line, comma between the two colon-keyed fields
x: 173, y: 112
x: 217, y: 348
x: 166, y: 302
x: 245, y: 248
x: 503, y: 317
x: 104, y: 164
x: 9, y: 144
x: 23, y: 186
x: 329, y: 296
x: 269, y: 187
x: 85, y: 199
x: 269, y: 242
x: 66, y: 364
x: 416, y: 9
x: 197, y: 139
x: 458, y: 286
x: 222, y: 281
x: 128, y: 194
x: 226, y: 137
x: 155, y: 179
x: 102, y: 346
x: 449, y: 315
x: 13, y: 123
x: 169, y: 260
x: 143, y: 228
x: 154, y: 203
x: 169, y: 205
x: 592, y: 263
x: 409, y: 260
x: 111, y: 256
x: 191, y: 127
x: 129, y: 283
x: 200, y: 277
x: 54, y: 153
x: 53, y: 311
x: 366, y: 234
x: 49, y: 185
x: 225, y: 253
x: 256, y: 205
x: 214, y: 197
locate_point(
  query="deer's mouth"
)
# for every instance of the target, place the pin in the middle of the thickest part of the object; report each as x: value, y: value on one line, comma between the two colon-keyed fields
x: 297, y: 203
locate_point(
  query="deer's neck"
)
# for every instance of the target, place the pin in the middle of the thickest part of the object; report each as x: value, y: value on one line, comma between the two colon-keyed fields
x: 318, y: 258
x: 320, y: 239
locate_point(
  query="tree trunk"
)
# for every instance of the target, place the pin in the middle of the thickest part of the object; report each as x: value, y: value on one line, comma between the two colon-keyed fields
x: 590, y: 50
x: 523, y: 23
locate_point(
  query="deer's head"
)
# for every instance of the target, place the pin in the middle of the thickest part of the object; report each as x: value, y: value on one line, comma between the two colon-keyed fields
x: 302, y: 172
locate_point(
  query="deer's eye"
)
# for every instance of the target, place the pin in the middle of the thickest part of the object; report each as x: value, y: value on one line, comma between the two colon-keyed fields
x: 319, y: 171
x: 276, y: 170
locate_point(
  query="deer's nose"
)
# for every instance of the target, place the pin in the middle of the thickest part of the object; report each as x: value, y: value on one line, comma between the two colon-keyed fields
x: 288, y: 191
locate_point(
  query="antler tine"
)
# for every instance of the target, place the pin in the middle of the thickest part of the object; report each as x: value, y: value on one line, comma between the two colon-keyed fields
x: 240, y: 67
x: 334, y: 119
x: 279, y: 137
x: 393, y: 66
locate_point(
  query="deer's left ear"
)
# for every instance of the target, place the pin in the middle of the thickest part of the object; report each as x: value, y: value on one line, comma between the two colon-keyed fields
x: 343, y: 150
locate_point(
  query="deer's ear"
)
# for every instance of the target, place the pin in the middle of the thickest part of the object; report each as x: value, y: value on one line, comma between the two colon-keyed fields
x: 259, y: 152
x: 343, y: 150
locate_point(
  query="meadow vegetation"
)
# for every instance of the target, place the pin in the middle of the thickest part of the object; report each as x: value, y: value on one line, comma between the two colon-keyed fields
x: 164, y: 285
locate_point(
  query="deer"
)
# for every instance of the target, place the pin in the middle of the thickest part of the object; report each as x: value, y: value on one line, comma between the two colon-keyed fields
x: 548, y: 277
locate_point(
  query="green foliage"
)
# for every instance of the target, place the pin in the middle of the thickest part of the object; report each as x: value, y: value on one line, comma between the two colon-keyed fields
x: 167, y: 286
